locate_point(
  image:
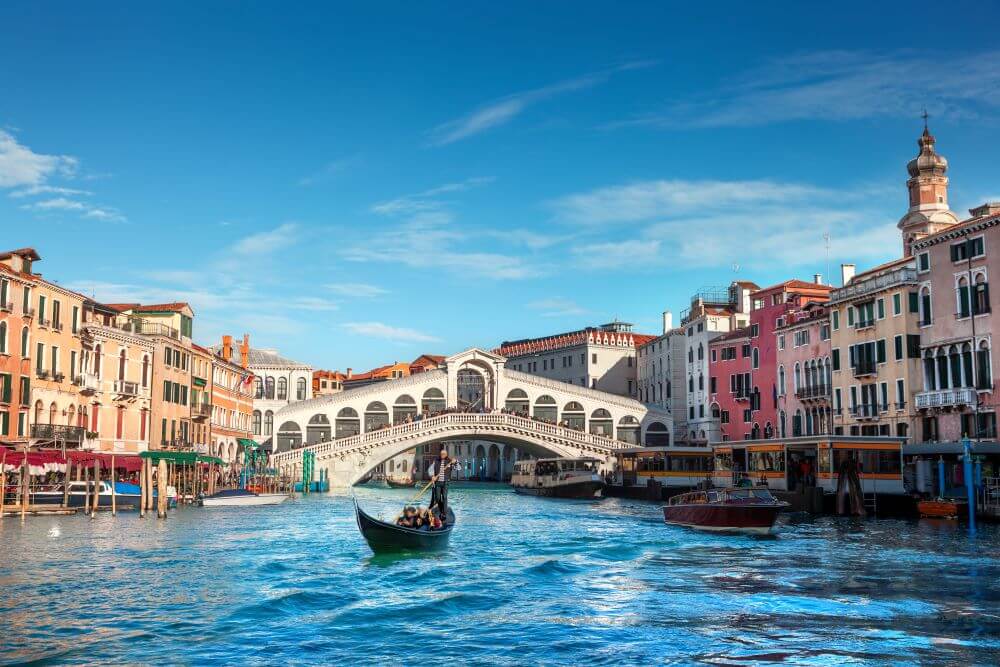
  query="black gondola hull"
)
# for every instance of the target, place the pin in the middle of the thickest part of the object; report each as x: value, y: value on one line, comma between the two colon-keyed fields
x: 385, y: 537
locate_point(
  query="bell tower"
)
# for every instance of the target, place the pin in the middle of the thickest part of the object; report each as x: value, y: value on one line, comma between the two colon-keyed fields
x: 928, y: 187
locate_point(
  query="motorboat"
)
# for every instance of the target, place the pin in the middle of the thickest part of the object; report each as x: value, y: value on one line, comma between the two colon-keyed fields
x: 558, y: 478
x: 750, y: 510
x: 81, y: 494
x: 242, y: 497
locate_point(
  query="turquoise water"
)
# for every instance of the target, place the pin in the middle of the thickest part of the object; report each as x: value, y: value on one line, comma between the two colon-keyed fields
x: 526, y: 581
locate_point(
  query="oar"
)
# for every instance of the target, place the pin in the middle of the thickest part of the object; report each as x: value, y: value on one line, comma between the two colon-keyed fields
x: 422, y: 492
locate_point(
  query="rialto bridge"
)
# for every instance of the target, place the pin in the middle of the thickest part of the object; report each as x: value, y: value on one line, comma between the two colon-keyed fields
x: 471, y: 397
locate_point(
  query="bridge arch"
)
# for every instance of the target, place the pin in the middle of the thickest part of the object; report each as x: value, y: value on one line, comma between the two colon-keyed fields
x: 517, y: 402
x: 289, y: 436
x: 318, y: 429
x: 574, y: 417
x: 628, y: 430
x: 546, y: 409
x: 432, y: 401
x: 347, y: 423
x: 600, y: 423
x: 376, y: 416
x: 657, y: 435
x: 404, y: 409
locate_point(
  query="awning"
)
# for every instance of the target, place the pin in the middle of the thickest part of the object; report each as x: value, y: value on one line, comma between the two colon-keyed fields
x: 186, y: 458
x: 247, y: 443
x: 932, y: 448
x: 127, y: 462
x: 765, y: 448
x: 883, y: 446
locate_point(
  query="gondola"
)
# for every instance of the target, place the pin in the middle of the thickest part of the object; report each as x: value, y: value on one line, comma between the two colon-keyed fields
x: 382, y: 536
x: 399, y: 484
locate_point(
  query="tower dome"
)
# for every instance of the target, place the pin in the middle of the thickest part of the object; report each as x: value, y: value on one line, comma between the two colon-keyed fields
x: 928, y: 187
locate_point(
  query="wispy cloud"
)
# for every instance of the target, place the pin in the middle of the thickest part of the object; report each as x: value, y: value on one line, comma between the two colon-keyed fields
x: 844, y: 85
x: 327, y: 172
x: 35, y: 190
x: 269, y: 241
x: 428, y: 240
x: 312, y: 303
x: 356, y: 290
x: 503, y: 110
x: 387, y: 332
x: 21, y: 166
x: 633, y: 253
x: 428, y: 200
x: 86, y: 209
x: 557, y: 307
x: 645, y: 200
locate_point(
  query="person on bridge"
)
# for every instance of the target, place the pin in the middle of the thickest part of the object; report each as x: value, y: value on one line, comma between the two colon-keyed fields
x: 440, y: 471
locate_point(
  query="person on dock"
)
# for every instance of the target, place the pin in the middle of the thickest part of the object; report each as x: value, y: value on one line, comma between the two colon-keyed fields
x: 440, y: 471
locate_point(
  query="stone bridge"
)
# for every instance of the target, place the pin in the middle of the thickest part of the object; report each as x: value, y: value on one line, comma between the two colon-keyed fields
x: 354, y: 431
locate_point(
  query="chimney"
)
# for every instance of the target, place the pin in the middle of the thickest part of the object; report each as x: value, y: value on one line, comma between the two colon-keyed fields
x: 245, y: 351
x: 668, y: 321
x: 846, y: 274
x: 350, y: 373
x: 818, y: 278
x: 227, y: 347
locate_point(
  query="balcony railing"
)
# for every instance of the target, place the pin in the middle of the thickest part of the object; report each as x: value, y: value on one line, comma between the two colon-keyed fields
x: 41, y: 374
x: 58, y: 377
x: 177, y: 445
x: 201, y: 410
x: 88, y: 383
x: 865, y: 368
x: 816, y: 391
x: 68, y: 434
x: 126, y: 388
x: 867, y: 411
x: 946, y: 398
x: 857, y: 289
x: 864, y: 324
x: 148, y: 328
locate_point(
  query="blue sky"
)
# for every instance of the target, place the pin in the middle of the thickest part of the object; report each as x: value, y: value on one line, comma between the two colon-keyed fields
x: 360, y: 184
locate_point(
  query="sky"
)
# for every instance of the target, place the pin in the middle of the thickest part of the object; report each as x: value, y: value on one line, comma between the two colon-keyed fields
x: 359, y: 184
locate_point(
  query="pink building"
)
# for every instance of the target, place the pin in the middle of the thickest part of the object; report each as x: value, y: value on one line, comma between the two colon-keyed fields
x: 730, y: 385
x: 804, y: 372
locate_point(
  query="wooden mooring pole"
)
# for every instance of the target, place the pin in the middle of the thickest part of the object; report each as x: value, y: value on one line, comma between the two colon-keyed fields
x: 114, y: 504
x: 97, y: 487
x: 161, y: 489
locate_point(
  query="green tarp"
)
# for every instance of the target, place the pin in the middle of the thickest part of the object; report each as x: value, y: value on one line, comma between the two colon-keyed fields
x: 185, y: 458
x: 248, y: 443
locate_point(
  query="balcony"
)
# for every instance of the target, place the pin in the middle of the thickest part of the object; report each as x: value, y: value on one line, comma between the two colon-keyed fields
x: 859, y: 288
x: 88, y: 383
x: 7, y: 307
x: 59, y: 433
x: 125, y: 389
x: 177, y: 445
x: 864, y: 368
x: 947, y: 398
x: 28, y: 312
x: 864, y: 324
x: 147, y: 328
x: 58, y: 377
x: 863, y: 412
x: 817, y: 392
x: 201, y: 411
x: 42, y: 322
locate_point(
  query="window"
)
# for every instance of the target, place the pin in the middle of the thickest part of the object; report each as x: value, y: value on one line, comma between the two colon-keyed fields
x: 880, y: 308
x: 41, y: 308
x: 593, y: 358
x: 746, y: 350
x: 40, y: 356
x: 75, y: 321
x: 24, y: 343
x: 967, y: 249
x: 924, y: 262
x: 756, y: 358
x: 781, y: 342
x: 754, y: 330
x: 835, y: 319
x: 898, y: 347
x: 713, y: 355
x: 56, y: 319
x: 913, y: 346
x: 836, y: 359
x: 925, y: 307
x: 3, y: 338
x: 712, y: 384
x: 300, y: 389
x: 897, y: 304
x: 900, y: 394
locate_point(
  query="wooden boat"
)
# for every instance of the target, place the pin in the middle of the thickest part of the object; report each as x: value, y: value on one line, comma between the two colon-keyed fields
x: 558, y: 478
x: 399, y: 483
x: 942, y: 508
x: 383, y: 537
x: 81, y: 494
x: 242, y: 497
x: 737, y: 510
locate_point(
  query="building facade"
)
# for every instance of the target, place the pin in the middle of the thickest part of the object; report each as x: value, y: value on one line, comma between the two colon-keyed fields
x: 600, y: 357
x: 16, y: 319
x: 277, y: 382
x: 325, y: 382
x: 231, y: 407
x: 805, y: 372
x: 661, y: 375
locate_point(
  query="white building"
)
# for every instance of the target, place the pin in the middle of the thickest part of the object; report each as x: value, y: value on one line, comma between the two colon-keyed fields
x: 278, y: 382
x: 600, y: 358
x: 662, y: 374
x: 713, y: 312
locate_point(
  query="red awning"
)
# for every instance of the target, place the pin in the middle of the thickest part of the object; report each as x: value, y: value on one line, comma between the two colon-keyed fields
x: 50, y: 457
x: 127, y: 462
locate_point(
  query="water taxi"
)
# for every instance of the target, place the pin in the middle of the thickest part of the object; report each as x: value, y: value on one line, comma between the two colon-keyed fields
x: 750, y: 510
x: 558, y: 478
x: 673, y: 467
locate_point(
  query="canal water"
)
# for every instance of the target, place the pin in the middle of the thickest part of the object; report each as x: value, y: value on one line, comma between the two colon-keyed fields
x: 526, y: 581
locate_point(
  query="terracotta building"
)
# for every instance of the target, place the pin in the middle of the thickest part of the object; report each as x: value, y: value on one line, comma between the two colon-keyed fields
x: 232, y: 398
x: 805, y: 372
x: 16, y: 319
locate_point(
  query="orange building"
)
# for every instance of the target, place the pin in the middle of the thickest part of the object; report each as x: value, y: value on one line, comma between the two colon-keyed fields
x: 327, y: 382
x: 16, y: 310
x: 232, y: 398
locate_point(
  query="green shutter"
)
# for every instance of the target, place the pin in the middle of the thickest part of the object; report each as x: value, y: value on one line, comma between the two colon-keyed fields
x: 836, y: 359
x: 880, y: 351
x: 881, y: 308
x: 963, y: 301
x: 850, y: 316
x: 897, y: 304
x: 914, y: 302
x: 898, y: 340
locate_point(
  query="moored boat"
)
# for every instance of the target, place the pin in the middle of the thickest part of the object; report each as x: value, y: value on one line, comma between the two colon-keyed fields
x: 81, y: 494
x: 942, y: 508
x: 558, y: 478
x: 383, y: 536
x: 242, y: 497
x: 394, y: 483
x: 737, y: 510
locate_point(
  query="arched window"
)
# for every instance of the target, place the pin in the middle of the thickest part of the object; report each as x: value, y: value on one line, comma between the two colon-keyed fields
x: 981, y: 295
x: 701, y: 352
x: 781, y: 424
x: 781, y: 380
x: 545, y: 409
x: 24, y: 342
x: 984, y: 372
x: 517, y: 402
x: 963, y: 307
x: 797, y: 378
x: 657, y: 435
x: 600, y: 422
x: 376, y: 416
x: 628, y: 430
x: 347, y: 423
x: 755, y: 357
x: 300, y: 389
x: 269, y: 387
x: 701, y: 382
x: 574, y: 417
x: 268, y: 422
x: 256, y: 422
x: 432, y: 401
x: 925, y: 306
x: 97, y: 361
x: 282, y: 389
x: 52, y: 413
x: 258, y: 388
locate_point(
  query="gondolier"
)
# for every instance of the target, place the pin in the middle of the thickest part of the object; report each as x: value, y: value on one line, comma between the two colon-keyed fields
x: 440, y: 471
